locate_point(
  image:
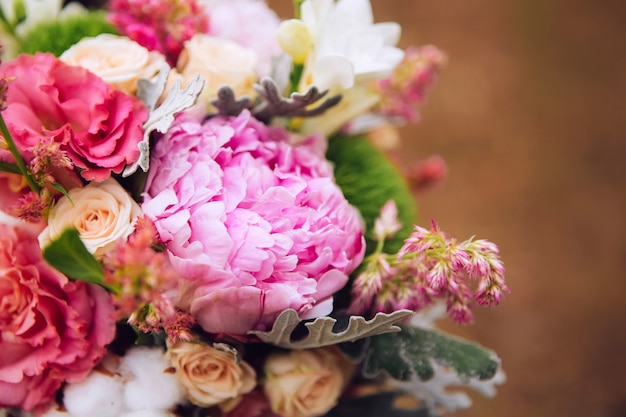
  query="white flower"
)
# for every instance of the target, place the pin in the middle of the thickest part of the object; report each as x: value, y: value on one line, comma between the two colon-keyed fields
x: 118, y: 60
x: 348, y: 46
x: 99, y: 395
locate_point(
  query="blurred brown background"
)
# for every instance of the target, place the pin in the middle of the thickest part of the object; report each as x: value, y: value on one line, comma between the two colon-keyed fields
x: 530, y: 116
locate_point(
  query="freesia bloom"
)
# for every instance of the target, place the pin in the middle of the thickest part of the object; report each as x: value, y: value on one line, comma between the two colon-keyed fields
x: 103, y: 213
x: 98, y: 126
x: 52, y: 330
x: 348, y: 46
x: 306, y: 383
x: 118, y: 60
x: 254, y: 224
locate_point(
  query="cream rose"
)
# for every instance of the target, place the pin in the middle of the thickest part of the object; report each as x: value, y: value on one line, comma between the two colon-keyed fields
x: 211, y: 376
x: 305, y: 383
x: 221, y: 62
x: 118, y: 60
x: 102, y: 212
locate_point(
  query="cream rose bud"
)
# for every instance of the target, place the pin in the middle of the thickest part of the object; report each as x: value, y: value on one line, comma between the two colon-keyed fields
x: 211, y: 376
x: 221, y: 62
x: 118, y: 60
x: 306, y: 383
x: 102, y: 212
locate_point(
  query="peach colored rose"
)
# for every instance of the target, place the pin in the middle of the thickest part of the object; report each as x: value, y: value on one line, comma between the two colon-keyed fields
x: 221, y: 62
x: 305, y: 383
x: 116, y: 59
x: 211, y: 376
x: 102, y: 212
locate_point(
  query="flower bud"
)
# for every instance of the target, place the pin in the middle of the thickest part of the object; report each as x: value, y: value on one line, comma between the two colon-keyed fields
x: 295, y: 39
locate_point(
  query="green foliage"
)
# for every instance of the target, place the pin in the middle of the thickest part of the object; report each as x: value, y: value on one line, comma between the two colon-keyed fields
x: 68, y: 254
x: 411, y: 352
x: 368, y: 180
x: 56, y: 36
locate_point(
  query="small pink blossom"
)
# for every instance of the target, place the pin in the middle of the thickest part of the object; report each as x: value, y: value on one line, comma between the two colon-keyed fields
x: 96, y: 126
x: 254, y: 224
x: 52, y: 330
x: 407, y: 87
x: 387, y: 224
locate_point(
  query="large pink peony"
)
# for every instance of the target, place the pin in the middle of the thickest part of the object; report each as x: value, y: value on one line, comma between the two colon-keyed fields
x: 98, y: 126
x: 51, y: 330
x: 255, y: 225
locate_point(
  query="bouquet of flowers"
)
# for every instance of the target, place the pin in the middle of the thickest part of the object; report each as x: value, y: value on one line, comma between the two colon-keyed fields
x: 199, y: 216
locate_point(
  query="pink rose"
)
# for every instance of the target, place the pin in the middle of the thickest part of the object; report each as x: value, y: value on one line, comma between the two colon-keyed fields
x: 98, y: 126
x: 255, y: 224
x: 52, y: 330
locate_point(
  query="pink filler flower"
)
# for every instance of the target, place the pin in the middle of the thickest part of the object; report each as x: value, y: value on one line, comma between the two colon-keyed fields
x: 97, y: 126
x: 254, y: 224
x: 51, y: 330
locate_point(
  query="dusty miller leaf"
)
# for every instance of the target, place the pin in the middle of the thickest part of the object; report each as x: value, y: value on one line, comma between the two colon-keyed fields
x: 444, y: 390
x: 227, y: 104
x: 320, y: 331
x: 411, y: 354
x: 297, y: 105
x: 162, y: 117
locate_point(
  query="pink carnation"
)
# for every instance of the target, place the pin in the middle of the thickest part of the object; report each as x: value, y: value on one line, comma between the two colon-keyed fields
x: 98, y: 126
x: 231, y: 19
x: 256, y: 225
x: 51, y: 330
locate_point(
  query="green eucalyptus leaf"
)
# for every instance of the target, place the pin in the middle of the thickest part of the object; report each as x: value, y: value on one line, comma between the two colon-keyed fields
x: 68, y: 254
x: 411, y: 352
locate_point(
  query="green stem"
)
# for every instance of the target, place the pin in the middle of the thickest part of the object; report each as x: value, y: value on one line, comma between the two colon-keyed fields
x: 296, y: 8
x: 19, y: 161
x: 295, y: 76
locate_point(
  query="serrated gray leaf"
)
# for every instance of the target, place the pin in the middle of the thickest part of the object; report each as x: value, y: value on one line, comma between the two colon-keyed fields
x: 320, y: 331
x: 273, y: 104
x: 162, y: 117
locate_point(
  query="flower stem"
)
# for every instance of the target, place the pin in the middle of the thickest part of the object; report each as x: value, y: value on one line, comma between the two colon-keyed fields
x: 19, y: 161
x: 296, y: 8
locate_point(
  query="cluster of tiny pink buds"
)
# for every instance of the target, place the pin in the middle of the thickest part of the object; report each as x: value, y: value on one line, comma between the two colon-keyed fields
x: 31, y: 207
x: 142, y: 277
x: 159, y: 25
x: 406, y: 88
x: 430, y: 266
x: 48, y: 156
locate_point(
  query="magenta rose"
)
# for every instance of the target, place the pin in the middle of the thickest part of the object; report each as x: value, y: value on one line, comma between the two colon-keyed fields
x: 98, y: 126
x: 51, y: 330
x: 254, y: 224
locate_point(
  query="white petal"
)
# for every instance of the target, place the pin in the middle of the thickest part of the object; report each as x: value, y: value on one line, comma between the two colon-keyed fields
x: 333, y: 71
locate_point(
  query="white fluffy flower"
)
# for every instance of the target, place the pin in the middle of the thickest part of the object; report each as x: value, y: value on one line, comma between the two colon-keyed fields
x: 135, y: 385
x: 150, y: 387
x: 99, y: 395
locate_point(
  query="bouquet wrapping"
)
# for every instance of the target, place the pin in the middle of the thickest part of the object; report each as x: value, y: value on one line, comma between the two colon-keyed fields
x: 201, y: 215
